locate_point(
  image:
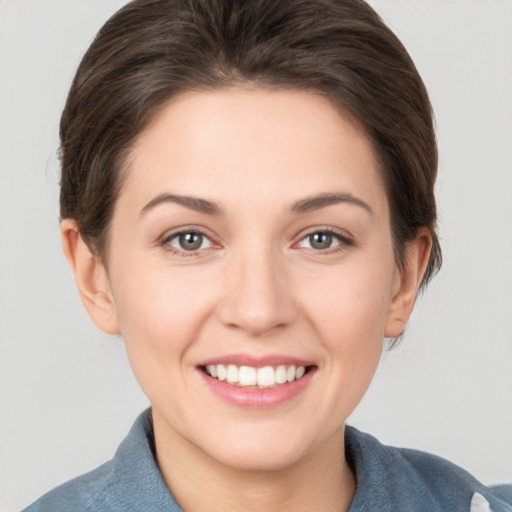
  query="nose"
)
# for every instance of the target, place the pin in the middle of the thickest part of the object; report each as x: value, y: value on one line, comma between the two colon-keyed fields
x: 258, y: 296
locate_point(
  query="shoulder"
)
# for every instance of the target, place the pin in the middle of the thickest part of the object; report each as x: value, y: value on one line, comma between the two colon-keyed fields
x: 130, y: 482
x: 414, y: 480
x: 449, y: 482
x: 96, y: 490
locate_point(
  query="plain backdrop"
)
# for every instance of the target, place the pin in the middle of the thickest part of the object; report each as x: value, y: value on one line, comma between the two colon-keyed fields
x: 66, y: 390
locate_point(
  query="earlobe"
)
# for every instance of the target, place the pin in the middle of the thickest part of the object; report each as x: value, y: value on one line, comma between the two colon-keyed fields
x: 91, y: 278
x: 408, y: 281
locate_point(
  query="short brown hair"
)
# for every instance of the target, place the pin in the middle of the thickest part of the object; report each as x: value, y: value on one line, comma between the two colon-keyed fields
x: 151, y: 50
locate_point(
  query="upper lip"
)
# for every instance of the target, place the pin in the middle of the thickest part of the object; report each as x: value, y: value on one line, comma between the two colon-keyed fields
x: 256, y: 361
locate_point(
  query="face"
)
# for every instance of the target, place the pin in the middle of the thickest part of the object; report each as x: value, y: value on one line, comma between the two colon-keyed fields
x: 251, y: 273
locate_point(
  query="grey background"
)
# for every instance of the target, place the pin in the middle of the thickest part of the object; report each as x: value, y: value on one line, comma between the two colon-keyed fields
x: 67, y: 396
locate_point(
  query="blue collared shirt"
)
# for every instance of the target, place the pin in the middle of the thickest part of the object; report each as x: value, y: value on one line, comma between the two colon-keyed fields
x: 388, y: 480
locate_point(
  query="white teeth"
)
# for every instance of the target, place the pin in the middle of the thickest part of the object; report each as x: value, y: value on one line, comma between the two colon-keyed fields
x: 248, y: 376
x: 212, y: 370
x: 281, y: 374
x: 266, y: 377
x: 221, y: 372
x: 290, y: 373
x: 232, y: 374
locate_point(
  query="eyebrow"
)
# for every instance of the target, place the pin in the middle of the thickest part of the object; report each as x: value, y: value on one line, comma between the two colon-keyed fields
x: 305, y: 205
x: 322, y: 200
x: 193, y: 203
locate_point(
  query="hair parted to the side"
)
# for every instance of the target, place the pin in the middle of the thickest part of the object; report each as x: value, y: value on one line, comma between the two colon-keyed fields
x: 151, y: 50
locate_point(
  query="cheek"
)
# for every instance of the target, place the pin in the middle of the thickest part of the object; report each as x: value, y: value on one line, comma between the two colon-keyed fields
x: 350, y: 304
x: 159, y: 313
x: 348, y: 311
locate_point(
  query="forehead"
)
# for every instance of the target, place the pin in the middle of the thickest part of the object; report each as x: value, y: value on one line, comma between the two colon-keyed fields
x: 239, y: 145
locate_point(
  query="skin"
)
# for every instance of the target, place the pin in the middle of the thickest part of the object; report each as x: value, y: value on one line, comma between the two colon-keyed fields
x: 256, y: 287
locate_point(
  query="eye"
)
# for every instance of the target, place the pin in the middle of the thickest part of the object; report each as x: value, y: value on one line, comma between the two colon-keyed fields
x: 320, y: 240
x: 323, y: 240
x: 188, y: 241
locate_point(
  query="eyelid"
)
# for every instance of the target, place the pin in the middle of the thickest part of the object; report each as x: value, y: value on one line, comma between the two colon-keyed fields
x: 344, y: 238
x: 165, y: 239
x: 177, y: 237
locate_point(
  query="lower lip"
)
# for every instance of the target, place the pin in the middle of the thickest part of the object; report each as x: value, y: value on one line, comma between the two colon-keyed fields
x: 256, y: 398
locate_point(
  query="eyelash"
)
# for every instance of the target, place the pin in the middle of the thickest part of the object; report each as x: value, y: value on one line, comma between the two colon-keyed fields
x: 343, y: 241
x: 168, y: 238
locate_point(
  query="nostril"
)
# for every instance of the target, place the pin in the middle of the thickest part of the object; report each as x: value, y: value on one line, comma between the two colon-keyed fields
x: 256, y: 297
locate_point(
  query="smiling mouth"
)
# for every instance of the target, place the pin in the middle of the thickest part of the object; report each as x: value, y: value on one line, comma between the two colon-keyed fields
x: 251, y: 377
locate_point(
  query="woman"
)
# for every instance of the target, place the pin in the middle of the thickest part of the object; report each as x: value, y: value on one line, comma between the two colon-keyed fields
x: 247, y: 198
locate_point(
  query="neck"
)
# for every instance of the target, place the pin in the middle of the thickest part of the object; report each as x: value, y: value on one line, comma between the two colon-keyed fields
x: 319, y: 482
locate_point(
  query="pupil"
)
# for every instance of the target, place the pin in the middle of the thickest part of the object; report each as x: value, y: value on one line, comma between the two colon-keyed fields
x: 320, y: 240
x: 191, y: 241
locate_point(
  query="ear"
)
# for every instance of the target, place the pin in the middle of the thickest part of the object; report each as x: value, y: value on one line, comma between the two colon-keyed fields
x: 91, y: 278
x: 407, y: 283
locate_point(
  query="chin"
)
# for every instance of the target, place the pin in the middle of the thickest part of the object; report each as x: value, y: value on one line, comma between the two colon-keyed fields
x: 260, y: 459
x: 270, y: 452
